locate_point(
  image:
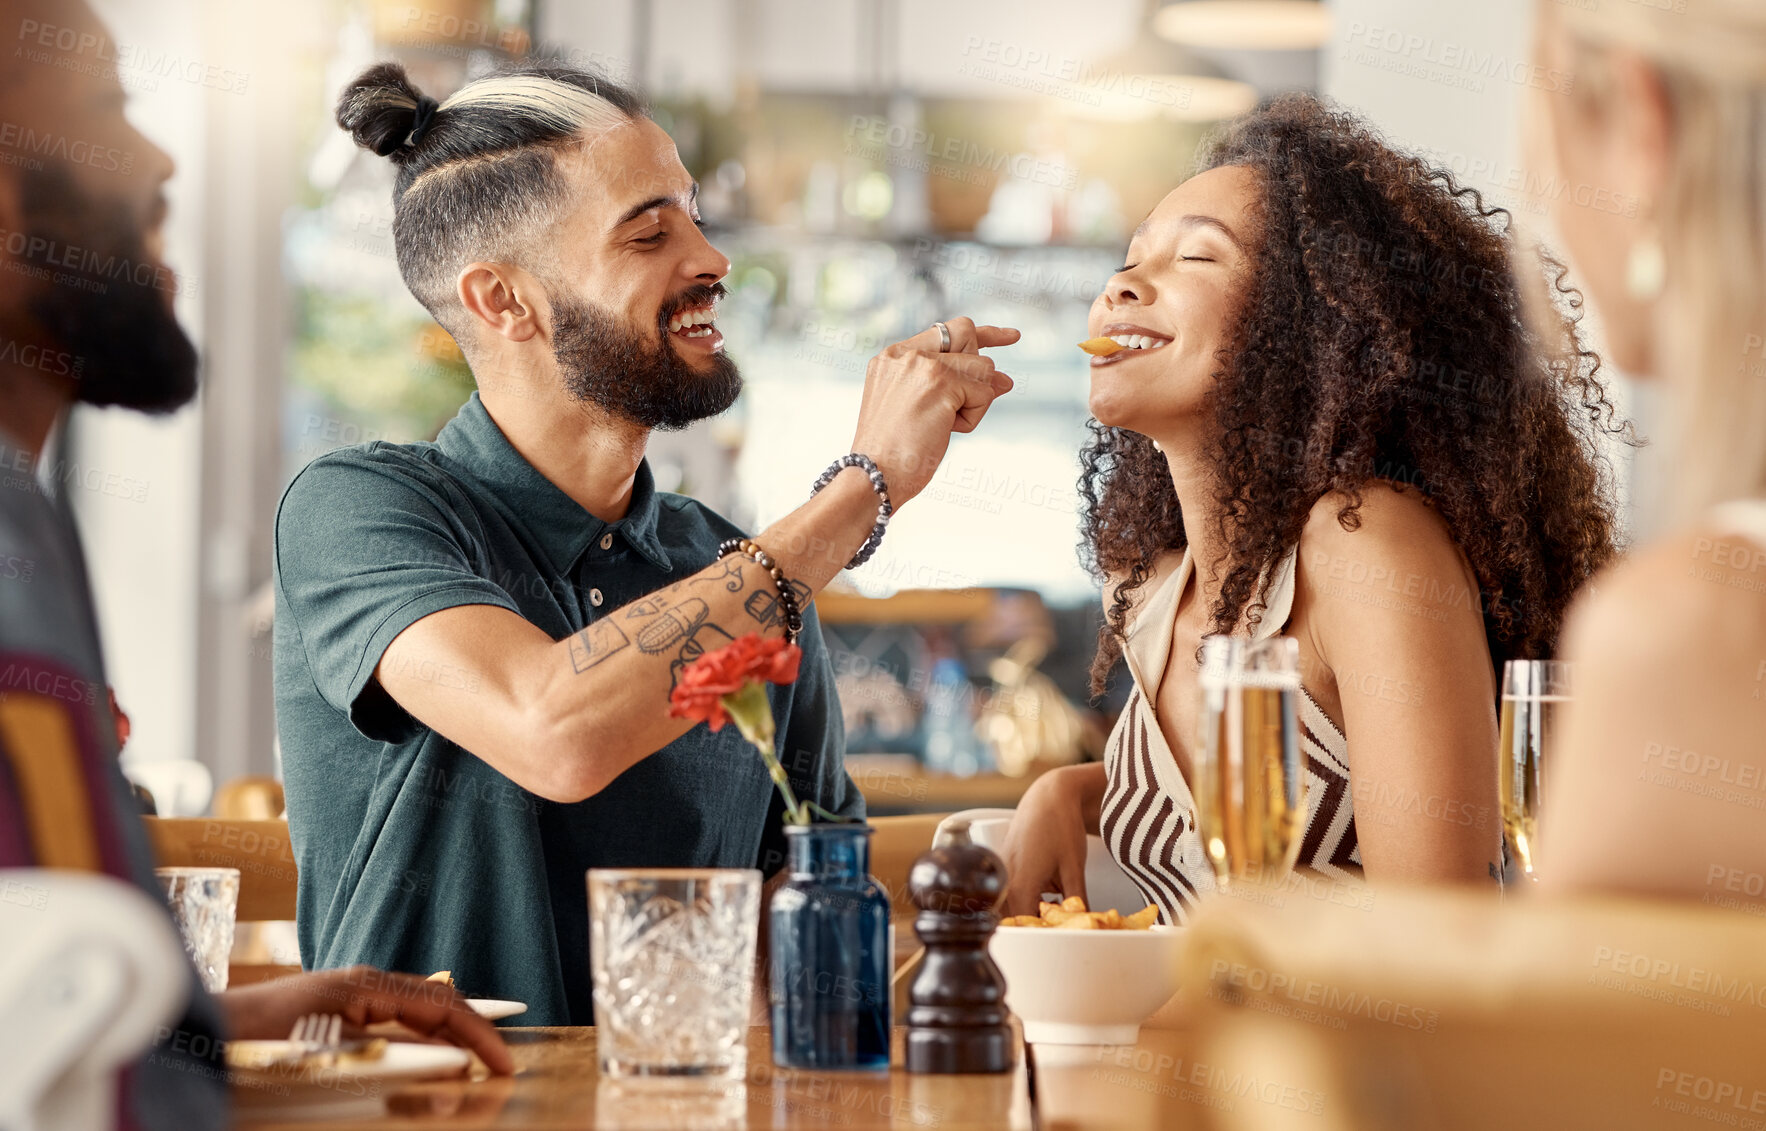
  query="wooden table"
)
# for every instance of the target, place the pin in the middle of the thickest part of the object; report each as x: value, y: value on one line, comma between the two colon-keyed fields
x: 1433, y: 1009
x: 1152, y: 1085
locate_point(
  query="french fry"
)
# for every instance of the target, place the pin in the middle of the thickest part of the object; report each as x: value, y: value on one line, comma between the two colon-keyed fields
x: 1141, y: 920
x: 1071, y: 914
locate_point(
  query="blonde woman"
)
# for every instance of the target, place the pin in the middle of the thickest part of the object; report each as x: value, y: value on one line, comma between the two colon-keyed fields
x: 1660, y: 784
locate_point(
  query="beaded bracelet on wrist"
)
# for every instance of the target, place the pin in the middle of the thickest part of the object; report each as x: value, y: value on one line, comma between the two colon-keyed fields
x: 884, y: 509
x: 789, y: 609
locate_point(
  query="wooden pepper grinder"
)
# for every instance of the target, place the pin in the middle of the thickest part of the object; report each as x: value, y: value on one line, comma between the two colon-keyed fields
x: 957, y: 1017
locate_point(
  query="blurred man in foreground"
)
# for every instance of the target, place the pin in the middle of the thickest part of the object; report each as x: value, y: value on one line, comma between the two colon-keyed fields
x: 86, y: 316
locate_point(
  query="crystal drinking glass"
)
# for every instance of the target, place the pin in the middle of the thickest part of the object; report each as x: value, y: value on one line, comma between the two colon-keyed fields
x: 205, y: 904
x: 671, y: 951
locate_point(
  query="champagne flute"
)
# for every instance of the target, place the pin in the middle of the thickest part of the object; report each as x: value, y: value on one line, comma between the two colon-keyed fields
x: 1250, y: 783
x: 1533, y: 691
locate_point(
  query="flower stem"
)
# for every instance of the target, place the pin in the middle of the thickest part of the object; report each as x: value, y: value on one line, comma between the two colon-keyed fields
x: 795, y: 812
x: 836, y: 818
x: 753, y: 716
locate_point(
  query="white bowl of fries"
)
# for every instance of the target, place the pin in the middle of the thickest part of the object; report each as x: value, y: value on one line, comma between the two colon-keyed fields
x: 1081, y: 977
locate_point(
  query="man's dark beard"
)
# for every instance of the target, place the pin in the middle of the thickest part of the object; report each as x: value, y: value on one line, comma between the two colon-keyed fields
x: 117, y: 322
x: 634, y: 375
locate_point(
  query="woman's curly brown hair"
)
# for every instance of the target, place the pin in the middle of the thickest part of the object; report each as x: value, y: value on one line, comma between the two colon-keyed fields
x: 1381, y: 335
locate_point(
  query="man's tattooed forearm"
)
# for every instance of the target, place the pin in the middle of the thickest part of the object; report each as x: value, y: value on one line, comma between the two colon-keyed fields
x: 595, y: 643
x: 763, y: 607
x: 730, y: 575
x: 676, y: 626
x: 666, y: 623
x: 763, y: 604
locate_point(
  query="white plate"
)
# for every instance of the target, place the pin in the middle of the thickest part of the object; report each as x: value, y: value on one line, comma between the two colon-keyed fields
x: 491, y: 1009
x: 403, y: 1060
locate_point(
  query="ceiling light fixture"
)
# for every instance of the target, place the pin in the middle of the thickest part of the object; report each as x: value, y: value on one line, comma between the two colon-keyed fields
x: 1152, y: 78
x: 1246, y: 25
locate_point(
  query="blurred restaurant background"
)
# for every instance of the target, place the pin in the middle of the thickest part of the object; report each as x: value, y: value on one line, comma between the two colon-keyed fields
x: 868, y: 166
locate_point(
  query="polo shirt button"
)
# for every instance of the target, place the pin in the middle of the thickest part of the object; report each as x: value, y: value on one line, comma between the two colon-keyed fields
x: 607, y: 541
x: 595, y: 597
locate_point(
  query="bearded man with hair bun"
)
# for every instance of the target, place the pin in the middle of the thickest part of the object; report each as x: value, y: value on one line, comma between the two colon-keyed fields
x: 476, y: 638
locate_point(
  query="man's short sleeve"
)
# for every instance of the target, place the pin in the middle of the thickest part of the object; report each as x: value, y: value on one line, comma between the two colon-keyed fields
x: 367, y: 544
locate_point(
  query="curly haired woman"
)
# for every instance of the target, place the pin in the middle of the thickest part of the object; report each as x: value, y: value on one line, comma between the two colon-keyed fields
x: 1336, y: 425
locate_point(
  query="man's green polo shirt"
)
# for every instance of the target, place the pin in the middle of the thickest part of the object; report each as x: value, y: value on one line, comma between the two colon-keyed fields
x: 415, y: 855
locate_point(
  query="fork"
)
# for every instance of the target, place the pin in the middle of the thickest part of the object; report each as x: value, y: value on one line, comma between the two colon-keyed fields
x: 318, y: 1032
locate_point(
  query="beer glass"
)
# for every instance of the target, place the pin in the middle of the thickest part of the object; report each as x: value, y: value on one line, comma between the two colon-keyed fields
x: 1249, y: 772
x: 1533, y: 693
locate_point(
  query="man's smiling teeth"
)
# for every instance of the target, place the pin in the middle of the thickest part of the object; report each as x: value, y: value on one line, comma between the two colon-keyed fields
x: 696, y: 322
x: 1137, y: 341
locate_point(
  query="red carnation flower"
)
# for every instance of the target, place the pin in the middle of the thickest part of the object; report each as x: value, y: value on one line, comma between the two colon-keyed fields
x: 699, y: 695
x: 730, y: 685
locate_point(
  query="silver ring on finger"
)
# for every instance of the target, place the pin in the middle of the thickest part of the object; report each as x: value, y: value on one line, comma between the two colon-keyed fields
x: 943, y: 337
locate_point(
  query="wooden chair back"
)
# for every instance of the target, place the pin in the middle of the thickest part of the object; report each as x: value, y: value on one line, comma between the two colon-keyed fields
x: 268, y: 876
x: 896, y: 842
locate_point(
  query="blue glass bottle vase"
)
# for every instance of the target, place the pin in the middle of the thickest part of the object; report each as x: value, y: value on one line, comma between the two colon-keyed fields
x: 830, y: 958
